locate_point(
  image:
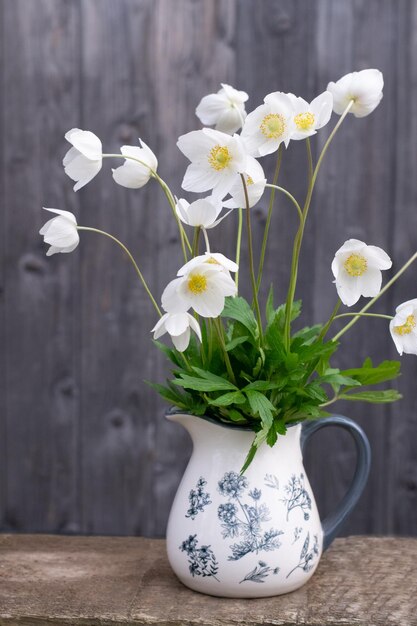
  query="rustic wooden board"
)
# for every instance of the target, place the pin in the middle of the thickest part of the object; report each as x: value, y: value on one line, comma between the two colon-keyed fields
x: 108, y: 581
x: 83, y: 443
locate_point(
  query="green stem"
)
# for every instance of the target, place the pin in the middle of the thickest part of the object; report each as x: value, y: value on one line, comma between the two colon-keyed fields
x: 251, y: 264
x: 299, y: 236
x: 290, y: 196
x: 238, y: 244
x: 220, y: 332
x: 196, y: 239
x: 330, y: 320
x: 385, y: 317
x: 269, y: 217
x: 139, y: 273
x: 372, y: 302
x: 168, y: 193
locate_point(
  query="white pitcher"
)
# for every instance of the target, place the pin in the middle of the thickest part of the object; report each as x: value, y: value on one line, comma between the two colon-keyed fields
x: 257, y: 534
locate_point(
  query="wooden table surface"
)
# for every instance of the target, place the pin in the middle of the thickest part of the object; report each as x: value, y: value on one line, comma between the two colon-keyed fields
x: 110, y: 580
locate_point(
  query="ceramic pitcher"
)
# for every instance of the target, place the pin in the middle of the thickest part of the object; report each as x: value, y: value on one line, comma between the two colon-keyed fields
x: 257, y: 534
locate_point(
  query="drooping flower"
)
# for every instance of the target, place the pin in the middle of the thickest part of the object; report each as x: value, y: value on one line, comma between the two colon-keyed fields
x: 403, y: 327
x: 133, y: 174
x: 364, y: 88
x: 179, y: 326
x: 357, y: 270
x: 84, y: 160
x: 269, y: 125
x: 204, y: 287
x: 216, y: 159
x: 203, y: 212
x: 224, y: 109
x: 60, y: 232
x: 255, y: 185
x: 308, y: 118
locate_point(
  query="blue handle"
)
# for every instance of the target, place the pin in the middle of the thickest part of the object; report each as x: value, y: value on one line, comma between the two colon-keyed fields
x: 332, y: 523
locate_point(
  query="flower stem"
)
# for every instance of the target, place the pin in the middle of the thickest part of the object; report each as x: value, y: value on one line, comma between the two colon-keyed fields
x: 138, y: 272
x: 251, y: 264
x: 197, y: 231
x: 168, y: 193
x: 220, y: 332
x: 372, y: 302
x: 269, y: 217
x: 290, y: 196
x: 385, y: 317
x: 206, y: 239
x: 299, y: 236
x: 238, y: 245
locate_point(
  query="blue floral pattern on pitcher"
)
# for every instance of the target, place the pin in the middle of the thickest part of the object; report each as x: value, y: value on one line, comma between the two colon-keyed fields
x: 198, y: 499
x: 244, y: 520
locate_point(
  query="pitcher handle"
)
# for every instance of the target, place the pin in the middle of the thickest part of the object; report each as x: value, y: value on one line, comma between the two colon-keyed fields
x: 332, y: 523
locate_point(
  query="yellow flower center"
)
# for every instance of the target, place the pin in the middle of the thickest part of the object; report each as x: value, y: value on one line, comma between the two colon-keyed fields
x: 304, y: 121
x: 273, y: 125
x: 249, y: 180
x: 356, y: 265
x: 219, y: 157
x: 197, y: 283
x: 405, y: 329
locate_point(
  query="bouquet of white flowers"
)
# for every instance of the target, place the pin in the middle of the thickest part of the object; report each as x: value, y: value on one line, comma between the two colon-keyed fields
x: 231, y: 362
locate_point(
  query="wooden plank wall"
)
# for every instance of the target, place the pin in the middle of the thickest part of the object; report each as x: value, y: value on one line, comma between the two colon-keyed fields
x: 84, y: 447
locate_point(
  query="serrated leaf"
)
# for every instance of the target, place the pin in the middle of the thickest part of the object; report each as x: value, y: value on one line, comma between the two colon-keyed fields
x: 369, y: 375
x: 237, y: 308
x: 379, y: 397
x: 262, y: 385
x: 234, y: 397
x: 339, y: 379
x: 201, y: 384
x: 236, y: 342
x: 260, y: 405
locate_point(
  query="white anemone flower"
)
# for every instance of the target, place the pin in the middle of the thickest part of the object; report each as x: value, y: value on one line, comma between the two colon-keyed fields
x: 269, y: 125
x: 204, y: 288
x: 357, y: 270
x: 84, y: 160
x: 216, y: 158
x: 60, y: 232
x: 201, y: 213
x: 255, y: 185
x: 364, y: 88
x: 308, y: 118
x: 133, y: 174
x: 212, y: 258
x: 179, y: 326
x: 225, y: 109
x: 403, y: 327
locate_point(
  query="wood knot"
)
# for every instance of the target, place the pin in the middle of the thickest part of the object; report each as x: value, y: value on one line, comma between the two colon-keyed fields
x: 32, y: 264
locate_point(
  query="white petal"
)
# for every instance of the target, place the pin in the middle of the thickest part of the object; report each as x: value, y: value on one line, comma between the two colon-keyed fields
x: 159, y: 328
x: 322, y: 108
x: 211, y: 108
x: 172, y: 302
x: 82, y: 170
x: 198, y: 178
x: 70, y: 156
x: 233, y: 94
x: 177, y: 323
x: 195, y: 144
x: 370, y: 282
x: 194, y: 325
x: 201, y: 213
x: 131, y: 175
x: 61, y: 232
x: 230, y: 120
x: 86, y: 142
x: 378, y: 257
x: 406, y: 305
x: 150, y: 157
x: 181, y: 341
x: 348, y: 289
x: 70, y: 216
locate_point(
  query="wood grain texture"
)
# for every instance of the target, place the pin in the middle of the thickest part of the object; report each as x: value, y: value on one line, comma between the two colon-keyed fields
x: 110, y: 581
x: 83, y: 443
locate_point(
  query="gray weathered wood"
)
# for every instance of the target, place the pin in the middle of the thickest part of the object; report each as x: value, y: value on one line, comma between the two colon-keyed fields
x: 107, y: 581
x: 83, y: 443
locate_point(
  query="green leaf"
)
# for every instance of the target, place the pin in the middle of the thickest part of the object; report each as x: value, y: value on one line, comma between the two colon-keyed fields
x: 171, y: 396
x: 249, y: 458
x: 339, y: 379
x: 237, y: 308
x: 170, y: 353
x: 260, y: 405
x: 234, y: 397
x: 369, y: 375
x: 200, y: 384
x: 388, y: 395
x: 236, y: 342
x: 263, y: 385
